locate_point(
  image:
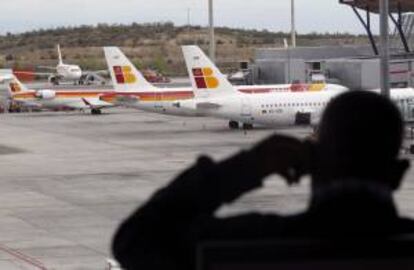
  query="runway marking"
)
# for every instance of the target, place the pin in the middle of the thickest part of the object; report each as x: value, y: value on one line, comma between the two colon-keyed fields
x: 23, y: 257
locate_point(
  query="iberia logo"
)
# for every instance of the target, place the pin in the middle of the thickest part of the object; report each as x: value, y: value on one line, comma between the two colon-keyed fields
x: 204, y: 78
x: 316, y: 87
x: 123, y: 74
x: 15, y: 88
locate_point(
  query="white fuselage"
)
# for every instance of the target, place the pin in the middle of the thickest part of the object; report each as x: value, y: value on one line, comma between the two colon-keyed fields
x: 181, y: 102
x: 175, y: 108
x: 282, y: 109
x: 69, y: 72
x: 278, y: 109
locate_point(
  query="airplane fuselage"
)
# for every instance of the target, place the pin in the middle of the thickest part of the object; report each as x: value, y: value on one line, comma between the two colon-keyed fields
x: 180, y: 101
x: 286, y: 109
x: 58, y: 99
x: 69, y: 72
x: 280, y: 109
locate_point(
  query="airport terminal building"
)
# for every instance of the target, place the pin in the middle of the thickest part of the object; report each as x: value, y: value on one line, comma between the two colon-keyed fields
x: 356, y: 67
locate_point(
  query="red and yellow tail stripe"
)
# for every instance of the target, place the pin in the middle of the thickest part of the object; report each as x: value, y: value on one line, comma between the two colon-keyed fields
x: 124, y: 75
x: 205, y: 79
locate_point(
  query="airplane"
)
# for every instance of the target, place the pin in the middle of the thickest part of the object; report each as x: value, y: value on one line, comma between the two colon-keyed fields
x: 215, y: 96
x: 18, y: 93
x: 133, y: 90
x: 66, y: 72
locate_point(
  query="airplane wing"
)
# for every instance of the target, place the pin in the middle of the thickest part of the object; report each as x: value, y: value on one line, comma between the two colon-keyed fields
x: 119, y: 100
x: 95, y: 76
x: 102, y: 72
x: 45, y: 74
x: 46, y: 67
x: 96, y: 103
x: 208, y: 105
x: 126, y: 100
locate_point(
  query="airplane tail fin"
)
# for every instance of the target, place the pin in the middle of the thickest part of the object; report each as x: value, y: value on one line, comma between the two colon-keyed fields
x: 206, y: 79
x: 14, y: 86
x: 59, y: 55
x: 124, y: 75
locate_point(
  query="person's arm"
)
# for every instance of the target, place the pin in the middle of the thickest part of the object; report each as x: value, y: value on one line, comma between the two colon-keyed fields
x: 157, y: 234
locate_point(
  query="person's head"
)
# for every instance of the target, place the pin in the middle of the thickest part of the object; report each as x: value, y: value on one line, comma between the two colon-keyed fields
x: 360, y: 136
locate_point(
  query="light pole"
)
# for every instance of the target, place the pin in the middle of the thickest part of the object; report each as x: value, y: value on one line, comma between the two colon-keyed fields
x: 188, y: 24
x: 289, y: 80
x: 212, y: 51
x: 293, y: 27
x: 385, y: 53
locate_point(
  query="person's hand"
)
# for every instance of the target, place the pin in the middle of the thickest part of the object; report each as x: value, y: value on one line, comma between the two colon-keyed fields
x: 283, y: 155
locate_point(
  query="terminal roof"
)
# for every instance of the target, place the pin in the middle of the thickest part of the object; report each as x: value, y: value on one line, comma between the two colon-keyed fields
x: 373, y: 5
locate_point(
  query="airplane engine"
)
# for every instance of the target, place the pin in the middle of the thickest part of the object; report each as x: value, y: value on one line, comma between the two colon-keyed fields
x: 46, y: 94
x: 303, y: 119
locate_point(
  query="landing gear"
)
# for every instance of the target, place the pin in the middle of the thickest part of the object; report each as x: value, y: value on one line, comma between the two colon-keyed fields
x: 247, y: 126
x: 233, y: 125
x: 96, y: 111
x: 54, y: 80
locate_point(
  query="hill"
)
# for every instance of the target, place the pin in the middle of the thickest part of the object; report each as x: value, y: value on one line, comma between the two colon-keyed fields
x: 154, y: 45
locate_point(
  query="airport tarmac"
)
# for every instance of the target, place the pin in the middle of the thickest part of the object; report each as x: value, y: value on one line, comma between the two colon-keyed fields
x: 68, y: 179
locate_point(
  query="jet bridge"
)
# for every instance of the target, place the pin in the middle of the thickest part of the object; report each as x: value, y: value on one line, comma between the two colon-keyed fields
x: 397, y: 10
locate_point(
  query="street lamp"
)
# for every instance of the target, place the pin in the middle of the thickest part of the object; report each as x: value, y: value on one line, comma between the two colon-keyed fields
x: 212, y: 51
x: 293, y: 27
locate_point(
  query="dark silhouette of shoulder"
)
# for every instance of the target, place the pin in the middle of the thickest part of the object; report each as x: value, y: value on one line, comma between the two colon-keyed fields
x: 351, y: 191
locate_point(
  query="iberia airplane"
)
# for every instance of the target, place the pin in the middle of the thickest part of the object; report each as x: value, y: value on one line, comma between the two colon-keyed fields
x: 215, y: 96
x: 133, y: 90
x: 47, y: 98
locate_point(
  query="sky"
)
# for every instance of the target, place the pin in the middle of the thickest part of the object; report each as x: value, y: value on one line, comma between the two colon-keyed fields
x: 273, y: 15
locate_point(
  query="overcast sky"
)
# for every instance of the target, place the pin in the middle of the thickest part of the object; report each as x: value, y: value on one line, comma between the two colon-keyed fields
x: 274, y: 15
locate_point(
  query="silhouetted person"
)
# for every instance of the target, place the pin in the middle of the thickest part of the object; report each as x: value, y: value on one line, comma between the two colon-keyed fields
x: 354, y: 167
